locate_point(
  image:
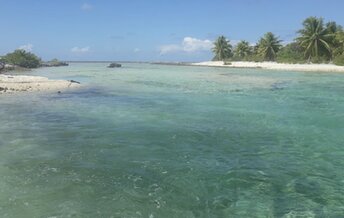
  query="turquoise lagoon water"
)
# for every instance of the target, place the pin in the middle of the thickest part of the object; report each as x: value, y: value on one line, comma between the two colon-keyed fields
x: 170, y: 141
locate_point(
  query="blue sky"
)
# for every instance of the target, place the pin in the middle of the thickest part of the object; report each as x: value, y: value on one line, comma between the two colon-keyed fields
x: 149, y: 30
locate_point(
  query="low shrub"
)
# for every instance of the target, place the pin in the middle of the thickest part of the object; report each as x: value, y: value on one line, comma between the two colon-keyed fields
x: 23, y: 59
x: 339, y: 60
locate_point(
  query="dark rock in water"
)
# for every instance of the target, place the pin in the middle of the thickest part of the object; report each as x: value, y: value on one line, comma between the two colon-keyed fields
x: 114, y: 65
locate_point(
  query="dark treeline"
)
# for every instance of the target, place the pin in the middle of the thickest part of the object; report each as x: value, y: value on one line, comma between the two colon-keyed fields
x: 317, y: 42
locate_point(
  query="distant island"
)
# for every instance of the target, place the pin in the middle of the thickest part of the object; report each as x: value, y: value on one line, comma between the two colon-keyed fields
x: 21, y: 60
x: 54, y: 63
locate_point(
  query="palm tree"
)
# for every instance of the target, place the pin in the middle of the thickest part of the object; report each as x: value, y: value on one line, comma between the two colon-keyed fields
x: 315, y: 38
x: 333, y: 27
x: 222, y: 49
x: 268, y: 46
x: 243, y: 49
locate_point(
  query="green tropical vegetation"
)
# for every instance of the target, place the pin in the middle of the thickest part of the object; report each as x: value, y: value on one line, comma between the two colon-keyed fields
x: 316, y: 42
x: 316, y: 39
x: 22, y: 58
x: 339, y: 60
x: 291, y: 53
x: 268, y: 47
x: 243, y: 50
x: 339, y: 43
x: 54, y: 63
x: 2, y: 65
x: 222, y: 49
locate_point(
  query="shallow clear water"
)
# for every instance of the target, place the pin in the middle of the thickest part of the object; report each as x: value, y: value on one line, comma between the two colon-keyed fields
x: 169, y: 141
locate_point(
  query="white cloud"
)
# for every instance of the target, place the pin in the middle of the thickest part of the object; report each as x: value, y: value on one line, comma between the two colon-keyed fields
x: 188, y: 45
x: 80, y: 50
x: 193, y: 44
x: 27, y: 47
x: 137, y: 50
x: 86, y: 7
x: 170, y: 49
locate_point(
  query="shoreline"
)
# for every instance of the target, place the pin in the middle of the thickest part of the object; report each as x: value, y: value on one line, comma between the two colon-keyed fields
x: 274, y: 66
x: 10, y: 84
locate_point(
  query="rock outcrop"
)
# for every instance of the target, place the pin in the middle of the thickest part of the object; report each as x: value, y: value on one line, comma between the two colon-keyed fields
x: 114, y: 65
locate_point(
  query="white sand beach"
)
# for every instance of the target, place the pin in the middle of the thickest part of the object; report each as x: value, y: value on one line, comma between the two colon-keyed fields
x: 275, y: 66
x: 13, y: 84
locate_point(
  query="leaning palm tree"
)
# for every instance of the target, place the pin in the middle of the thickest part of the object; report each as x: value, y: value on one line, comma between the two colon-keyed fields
x: 268, y: 46
x: 315, y: 38
x: 222, y: 49
x: 243, y: 49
